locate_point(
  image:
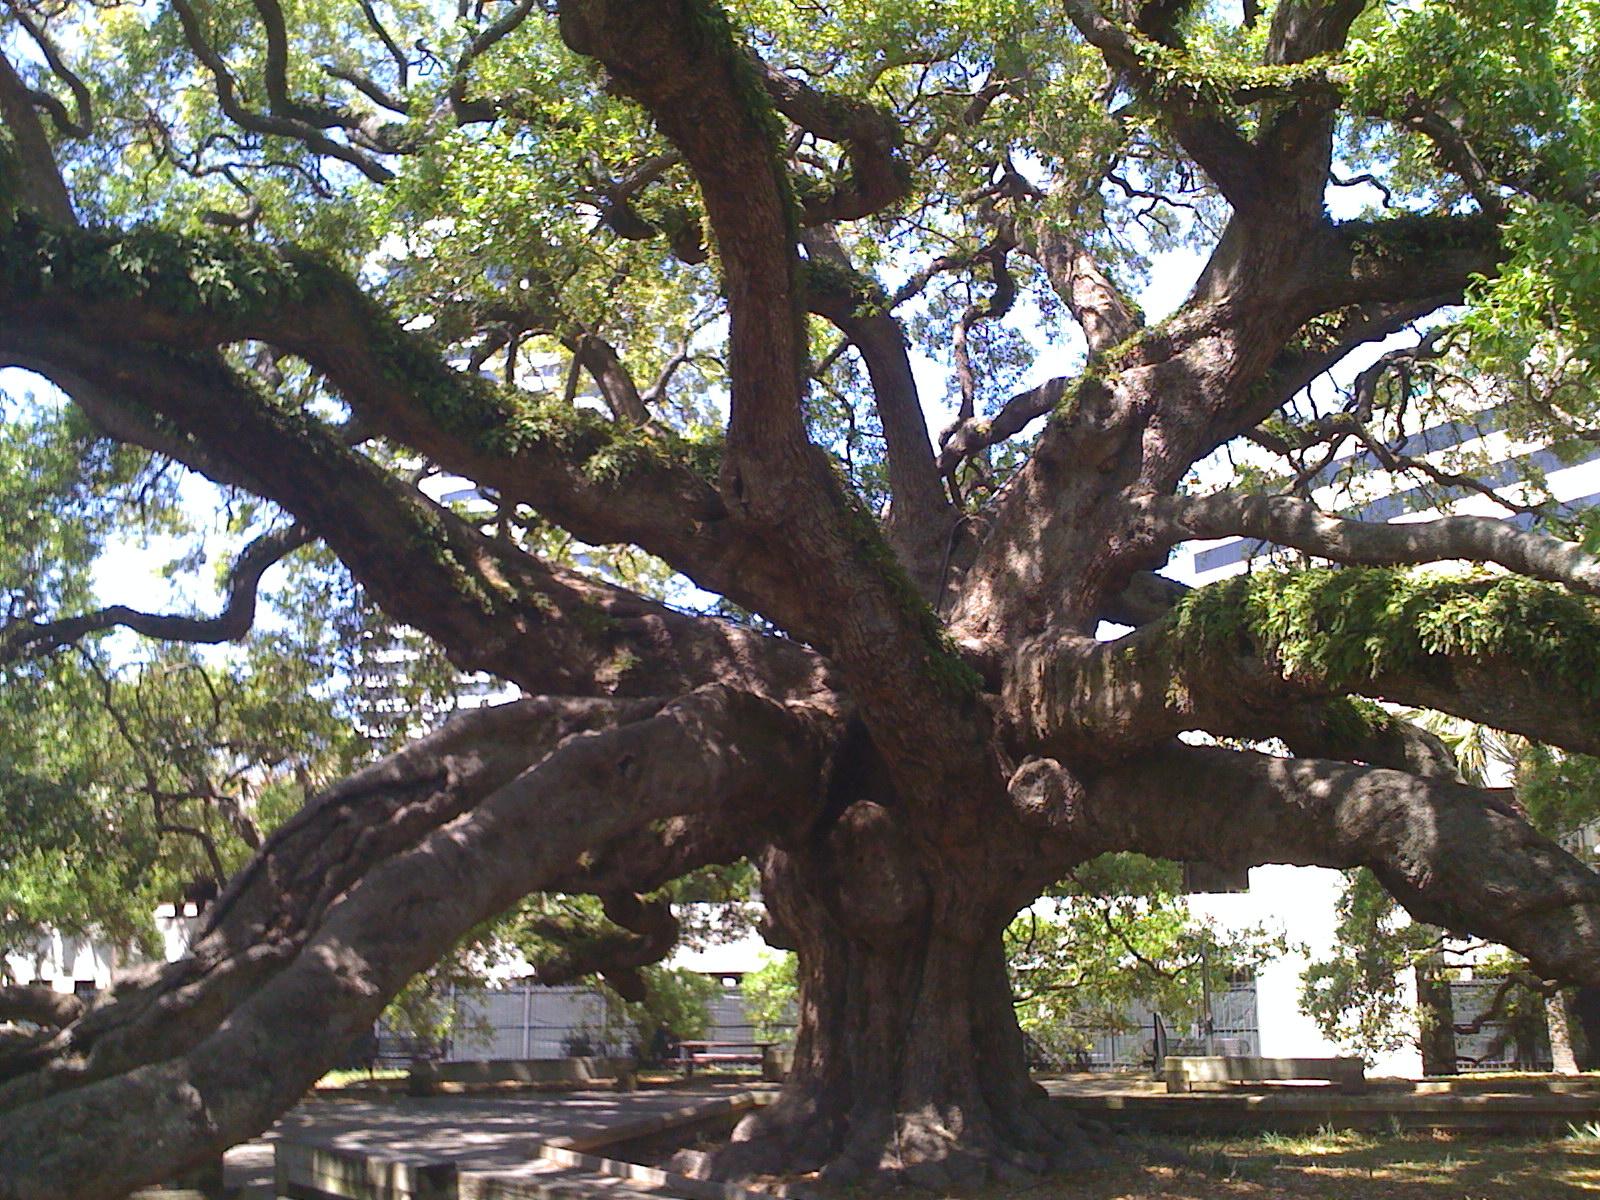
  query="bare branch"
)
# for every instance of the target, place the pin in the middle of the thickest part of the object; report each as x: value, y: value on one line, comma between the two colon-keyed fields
x: 489, y: 604
x: 468, y: 111
x: 274, y: 123
x: 36, y: 639
x: 81, y: 124
x: 1105, y: 314
x: 1233, y: 164
x: 402, y: 64
x: 1285, y: 521
x: 972, y: 437
x: 1457, y: 152
x: 871, y: 137
x: 643, y: 932
x: 920, y: 516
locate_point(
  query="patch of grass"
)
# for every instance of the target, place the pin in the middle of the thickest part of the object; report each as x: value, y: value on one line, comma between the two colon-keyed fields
x: 1589, y: 1131
x: 1334, y: 1164
x: 1329, y: 1164
x: 357, y: 1077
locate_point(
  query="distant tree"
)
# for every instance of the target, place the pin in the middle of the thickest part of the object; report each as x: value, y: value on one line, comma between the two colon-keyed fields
x: 654, y: 276
x: 1116, y: 933
x: 770, y: 993
x: 1358, y: 995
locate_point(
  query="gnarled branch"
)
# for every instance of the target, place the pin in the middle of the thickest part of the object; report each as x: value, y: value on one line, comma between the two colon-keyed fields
x: 223, y: 1080
x: 31, y: 639
x: 1456, y: 856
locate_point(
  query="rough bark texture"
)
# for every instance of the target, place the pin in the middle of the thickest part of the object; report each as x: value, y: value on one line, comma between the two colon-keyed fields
x: 908, y: 1060
x: 925, y: 733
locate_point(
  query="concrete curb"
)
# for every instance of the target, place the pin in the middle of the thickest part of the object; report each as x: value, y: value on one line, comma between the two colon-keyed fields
x: 689, y: 1114
x: 311, y: 1170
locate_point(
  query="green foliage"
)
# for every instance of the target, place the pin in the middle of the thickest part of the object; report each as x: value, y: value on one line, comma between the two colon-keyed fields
x: 1561, y: 792
x: 123, y: 786
x: 1516, y: 77
x: 131, y: 774
x: 1539, y: 316
x: 676, y: 1000
x: 1346, y: 626
x: 1116, y: 933
x: 770, y: 993
x: 1356, y: 996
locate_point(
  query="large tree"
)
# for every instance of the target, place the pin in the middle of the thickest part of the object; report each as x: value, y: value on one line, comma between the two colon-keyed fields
x: 654, y: 275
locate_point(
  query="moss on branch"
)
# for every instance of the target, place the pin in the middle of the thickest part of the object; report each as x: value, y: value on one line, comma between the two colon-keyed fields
x: 230, y: 288
x: 1346, y: 627
x: 942, y: 662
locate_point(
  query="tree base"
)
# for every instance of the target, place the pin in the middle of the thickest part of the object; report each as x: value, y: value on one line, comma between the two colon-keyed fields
x: 934, y: 1148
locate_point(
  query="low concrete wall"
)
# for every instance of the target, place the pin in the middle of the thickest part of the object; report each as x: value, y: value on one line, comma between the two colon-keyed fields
x: 533, y: 1070
x: 1288, y: 1109
x: 1186, y: 1073
x: 308, y: 1172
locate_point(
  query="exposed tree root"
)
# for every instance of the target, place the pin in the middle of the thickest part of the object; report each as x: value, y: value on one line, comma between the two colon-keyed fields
x: 934, y: 1148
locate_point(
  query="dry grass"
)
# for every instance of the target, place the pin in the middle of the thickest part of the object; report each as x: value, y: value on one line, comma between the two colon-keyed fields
x: 1328, y: 1165
x: 1340, y: 1165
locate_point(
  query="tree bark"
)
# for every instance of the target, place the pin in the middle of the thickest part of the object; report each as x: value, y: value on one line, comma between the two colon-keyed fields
x: 1436, y: 1017
x: 909, y: 1064
x: 1563, y: 1059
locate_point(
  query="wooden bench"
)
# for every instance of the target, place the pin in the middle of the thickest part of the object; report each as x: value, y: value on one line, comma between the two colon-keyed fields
x: 1183, y: 1072
x: 714, y: 1054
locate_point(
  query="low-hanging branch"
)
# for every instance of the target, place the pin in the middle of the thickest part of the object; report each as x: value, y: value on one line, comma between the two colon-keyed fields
x: 1456, y: 856
x: 203, y: 1086
x: 1237, y: 658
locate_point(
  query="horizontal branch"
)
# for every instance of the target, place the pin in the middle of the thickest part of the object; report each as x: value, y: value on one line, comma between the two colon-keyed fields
x: 31, y: 639
x: 492, y: 606
x: 1455, y: 856
x: 1300, y: 525
x: 39, y: 1004
x: 1241, y: 658
x: 640, y: 932
x: 304, y: 865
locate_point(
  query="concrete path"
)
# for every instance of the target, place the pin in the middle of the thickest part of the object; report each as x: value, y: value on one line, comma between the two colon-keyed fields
x: 483, y: 1133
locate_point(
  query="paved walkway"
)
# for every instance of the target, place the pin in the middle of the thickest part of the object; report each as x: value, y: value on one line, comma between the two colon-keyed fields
x: 481, y: 1132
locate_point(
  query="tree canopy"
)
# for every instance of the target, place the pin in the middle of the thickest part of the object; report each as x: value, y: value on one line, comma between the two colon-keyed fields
x: 668, y: 281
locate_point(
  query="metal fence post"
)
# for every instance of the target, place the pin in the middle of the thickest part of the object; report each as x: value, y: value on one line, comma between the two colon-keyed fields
x: 527, y: 1019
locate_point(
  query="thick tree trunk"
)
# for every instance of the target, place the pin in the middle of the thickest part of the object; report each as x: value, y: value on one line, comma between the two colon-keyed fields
x: 1584, y: 1027
x: 1436, y: 1016
x: 909, y: 1063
